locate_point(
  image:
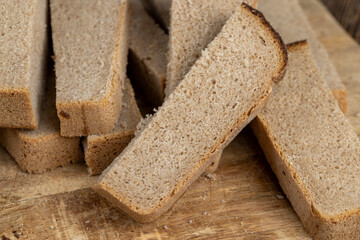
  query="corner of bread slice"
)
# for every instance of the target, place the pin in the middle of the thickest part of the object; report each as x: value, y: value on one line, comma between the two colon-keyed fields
x: 279, y: 73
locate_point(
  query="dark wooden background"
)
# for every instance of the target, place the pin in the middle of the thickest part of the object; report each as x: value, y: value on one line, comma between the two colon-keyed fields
x: 347, y: 12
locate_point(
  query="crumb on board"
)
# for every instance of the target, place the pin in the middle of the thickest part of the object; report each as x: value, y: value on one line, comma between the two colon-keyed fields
x: 165, y: 227
x: 279, y: 196
x: 223, y: 201
x: 51, y: 227
x: 87, y: 221
x: 211, y: 176
x: 206, y: 213
x: 204, y: 197
x: 190, y: 221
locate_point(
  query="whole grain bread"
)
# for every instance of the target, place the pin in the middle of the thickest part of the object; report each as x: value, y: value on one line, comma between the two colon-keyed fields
x: 23, y: 52
x: 176, y: 146
x: 147, y: 54
x: 43, y: 149
x: 193, y: 25
x: 290, y: 21
x: 312, y: 149
x: 90, y: 40
x: 101, y: 150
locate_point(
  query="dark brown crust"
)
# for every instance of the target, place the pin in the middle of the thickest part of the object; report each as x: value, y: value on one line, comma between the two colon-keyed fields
x: 281, y: 72
x: 301, y: 43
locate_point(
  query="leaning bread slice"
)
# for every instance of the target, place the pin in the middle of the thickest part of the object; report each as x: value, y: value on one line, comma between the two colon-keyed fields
x: 101, y: 150
x: 223, y: 91
x: 161, y: 10
x: 290, y: 21
x: 23, y: 52
x: 147, y: 55
x: 193, y: 25
x: 90, y: 44
x: 43, y: 149
x: 312, y: 149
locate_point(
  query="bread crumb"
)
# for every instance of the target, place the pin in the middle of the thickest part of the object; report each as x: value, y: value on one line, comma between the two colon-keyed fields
x: 279, y: 196
x: 190, y: 221
x: 204, y: 197
x: 165, y: 227
x: 211, y: 176
x: 223, y: 201
x: 87, y: 221
x: 51, y: 227
x: 206, y: 213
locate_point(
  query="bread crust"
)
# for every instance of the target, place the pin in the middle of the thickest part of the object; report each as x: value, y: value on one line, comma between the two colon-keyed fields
x: 99, y: 117
x: 320, y: 226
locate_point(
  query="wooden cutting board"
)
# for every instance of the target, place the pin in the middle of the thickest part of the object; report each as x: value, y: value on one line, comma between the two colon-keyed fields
x: 242, y: 201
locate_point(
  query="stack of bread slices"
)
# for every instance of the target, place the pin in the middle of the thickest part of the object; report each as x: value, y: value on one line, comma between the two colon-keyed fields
x: 209, y: 68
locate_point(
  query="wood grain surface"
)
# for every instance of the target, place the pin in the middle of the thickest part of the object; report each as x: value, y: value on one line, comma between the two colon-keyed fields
x: 242, y: 200
x: 347, y: 12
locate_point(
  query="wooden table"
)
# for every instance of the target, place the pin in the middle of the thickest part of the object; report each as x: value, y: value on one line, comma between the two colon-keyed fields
x: 243, y: 202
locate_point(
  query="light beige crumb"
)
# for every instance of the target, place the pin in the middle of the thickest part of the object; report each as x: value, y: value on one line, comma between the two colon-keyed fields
x: 223, y: 201
x: 211, y: 176
x: 204, y: 197
x: 190, y: 221
x: 87, y: 221
x: 165, y: 227
x: 51, y: 227
x: 279, y: 196
x: 206, y: 213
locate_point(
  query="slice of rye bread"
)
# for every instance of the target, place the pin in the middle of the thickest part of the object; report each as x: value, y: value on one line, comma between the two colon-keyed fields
x: 147, y: 54
x: 224, y: 90
x: 43, y: 149
x: 194, y: 24
x: 91, y: 45
x: 101, y: 150
x: 23, y: 54
x: 288, y: 18
x: 147, y: 61
x: 312, y: 149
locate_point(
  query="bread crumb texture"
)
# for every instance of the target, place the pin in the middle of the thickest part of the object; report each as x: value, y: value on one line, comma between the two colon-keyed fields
x: 232, y: 78
x: 313, y: 150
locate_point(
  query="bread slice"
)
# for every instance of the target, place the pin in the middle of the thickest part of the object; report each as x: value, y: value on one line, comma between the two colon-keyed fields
x: 91, y: 45
x: 193, y: 25
x: 101, y: 150
x: 147, y: 55
x: 23, y: 52
x: 290, y: 21
x: 223, y: 91
x: 43, y: 149
x: 312, y: 149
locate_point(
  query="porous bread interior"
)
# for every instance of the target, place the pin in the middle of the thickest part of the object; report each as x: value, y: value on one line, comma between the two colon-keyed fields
x: 85, y: 38
x: 193, y: 25
x: 23, y: 50
x: 314, y: 139
x: 148, y: 43
x: 222, y: 87
x: 288, y: 18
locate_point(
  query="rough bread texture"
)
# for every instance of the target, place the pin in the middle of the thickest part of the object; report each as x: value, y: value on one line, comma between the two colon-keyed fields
x: 312, y: 149
x: 23, y: 52
x: 147, y: 56
x: 290, y: 21
x: 43, y: 149
x: 91, y: 45
x: 193, y: 25
x: 161, y: 9
x: 101, y: 150
x: 224, y: 91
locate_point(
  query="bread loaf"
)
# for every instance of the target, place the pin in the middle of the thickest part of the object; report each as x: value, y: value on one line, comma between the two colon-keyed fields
x: 223, y: 91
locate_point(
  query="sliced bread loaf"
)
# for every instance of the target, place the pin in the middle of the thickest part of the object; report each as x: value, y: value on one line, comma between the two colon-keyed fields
x: 147, y: 55
x: 91, y: 44
x: 23, y: 52
x: 223, y: 91
x: 193, y: 25
x: 312, y: 149
x: 101, y: 150
x: 161, y: 9
x: 290, y: 21
x: 43, y: 149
